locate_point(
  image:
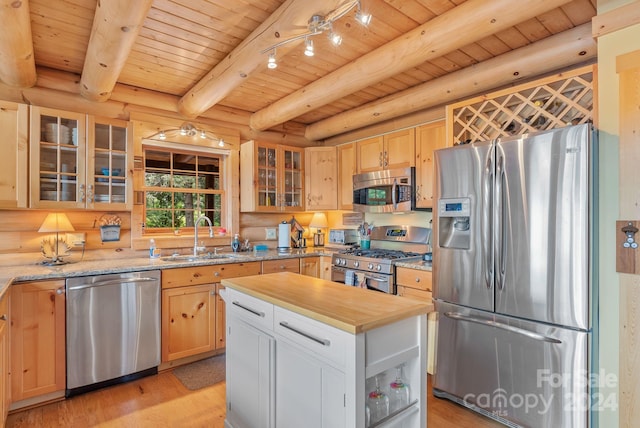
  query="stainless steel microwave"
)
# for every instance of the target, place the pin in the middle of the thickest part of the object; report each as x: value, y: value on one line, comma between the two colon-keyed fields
x: 390, y: 190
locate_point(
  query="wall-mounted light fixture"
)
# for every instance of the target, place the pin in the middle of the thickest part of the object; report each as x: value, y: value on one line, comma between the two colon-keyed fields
x: 317, y: 25
x: 187, y: 129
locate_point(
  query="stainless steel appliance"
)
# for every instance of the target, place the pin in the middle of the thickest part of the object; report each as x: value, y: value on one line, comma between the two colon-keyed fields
x: 389, y: 190
x: 374, y: 268
x: 514, y: 282
x: 343, y: 236
x: 113, y: 329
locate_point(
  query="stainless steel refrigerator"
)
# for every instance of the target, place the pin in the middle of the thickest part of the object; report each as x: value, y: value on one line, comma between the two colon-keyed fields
x: 514, y: 277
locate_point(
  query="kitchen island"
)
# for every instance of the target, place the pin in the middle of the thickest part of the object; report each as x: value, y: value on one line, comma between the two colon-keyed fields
x: 303, y: 351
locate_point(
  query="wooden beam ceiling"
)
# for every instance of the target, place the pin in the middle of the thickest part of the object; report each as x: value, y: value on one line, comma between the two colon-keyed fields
x: 116, y: 26
x: 17, y: 63
x: 553, y: 53
x: 464, y: 24
x: 291, y: 18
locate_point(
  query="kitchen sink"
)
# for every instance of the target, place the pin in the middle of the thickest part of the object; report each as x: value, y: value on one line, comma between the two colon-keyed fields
x: 192, y: 258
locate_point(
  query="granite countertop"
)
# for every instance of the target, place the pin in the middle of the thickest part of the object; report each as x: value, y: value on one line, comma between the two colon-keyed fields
x: 29, y: 268
x: 350, y: 309
x: 419, y: 265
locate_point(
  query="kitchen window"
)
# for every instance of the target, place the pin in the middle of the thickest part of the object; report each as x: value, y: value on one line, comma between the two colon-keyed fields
x: 179, y: 186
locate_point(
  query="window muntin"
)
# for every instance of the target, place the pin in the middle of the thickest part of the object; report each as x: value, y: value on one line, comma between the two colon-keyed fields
x: 179, y: 186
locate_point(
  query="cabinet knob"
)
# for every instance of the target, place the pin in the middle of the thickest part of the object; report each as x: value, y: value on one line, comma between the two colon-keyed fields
x: 417, y: 279
x: 216, y: 274
x: 60, y: 290
x: 3, y: 317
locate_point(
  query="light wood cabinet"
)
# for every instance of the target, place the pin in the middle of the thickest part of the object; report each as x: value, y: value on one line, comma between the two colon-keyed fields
x: 310, y: 266
x: 79, y: 161
x: 192, y: 310
x: 188, y: 321
x: 394, y: 150
x: 14, y: 122
x: 5, y: 391
x: 109, y: 151
x: 347, y: 168
x: 37, y: 342
x: 414, y: 283
x: 271, y: 178
x: 283, y: 265
x: 57, y: 164
x: 321, y: 178
x: 429, y: 138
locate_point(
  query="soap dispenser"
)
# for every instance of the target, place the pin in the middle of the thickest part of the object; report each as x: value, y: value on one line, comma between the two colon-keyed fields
x: 235, y: 244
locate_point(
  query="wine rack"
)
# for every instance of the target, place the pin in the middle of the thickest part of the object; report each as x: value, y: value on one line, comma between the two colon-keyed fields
x: 563, y: 99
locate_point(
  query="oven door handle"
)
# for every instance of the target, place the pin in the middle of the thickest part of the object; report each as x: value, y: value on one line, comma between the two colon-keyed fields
x: 378, y: 279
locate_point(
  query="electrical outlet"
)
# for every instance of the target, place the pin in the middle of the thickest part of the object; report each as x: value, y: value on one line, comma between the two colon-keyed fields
x: 77, y: 238
x: 270, y: 233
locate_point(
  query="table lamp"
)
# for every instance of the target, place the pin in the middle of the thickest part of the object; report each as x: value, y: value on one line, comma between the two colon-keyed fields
x: 319, y: 222
x: 56, y: 222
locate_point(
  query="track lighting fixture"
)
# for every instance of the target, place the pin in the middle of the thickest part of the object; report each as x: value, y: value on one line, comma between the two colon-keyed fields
x: 318, y: 24
x: 187, y: 130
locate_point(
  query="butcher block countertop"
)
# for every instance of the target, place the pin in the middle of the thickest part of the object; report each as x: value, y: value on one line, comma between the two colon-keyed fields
x: 351, y: 309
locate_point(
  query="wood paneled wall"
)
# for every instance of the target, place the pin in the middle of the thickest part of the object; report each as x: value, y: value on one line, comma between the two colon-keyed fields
x: 19, y: 229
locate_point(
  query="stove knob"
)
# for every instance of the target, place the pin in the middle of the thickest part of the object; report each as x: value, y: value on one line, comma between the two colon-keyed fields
x: 356, y: 264
x: 378, y: 268
x: 342, y: 262
x: 370, y: 266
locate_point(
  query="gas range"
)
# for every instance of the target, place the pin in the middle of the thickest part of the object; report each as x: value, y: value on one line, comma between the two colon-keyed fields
x: 374, y: 268
x: 372, y: 260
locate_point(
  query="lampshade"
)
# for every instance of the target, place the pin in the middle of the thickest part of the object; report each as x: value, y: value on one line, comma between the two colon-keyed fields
x: 319, y: 221
x: 56, y: 222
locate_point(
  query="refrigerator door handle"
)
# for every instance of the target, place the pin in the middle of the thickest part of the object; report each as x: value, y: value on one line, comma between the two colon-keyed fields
x: 500, y: 224
x: 531, y: 334
x: 488, y: 242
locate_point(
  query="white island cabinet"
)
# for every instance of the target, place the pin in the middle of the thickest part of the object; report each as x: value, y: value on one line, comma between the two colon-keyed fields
x: 307, y: 352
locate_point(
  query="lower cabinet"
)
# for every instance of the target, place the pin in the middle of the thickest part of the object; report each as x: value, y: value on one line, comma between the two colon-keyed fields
x: 249, y: 396
x: 310, y: 266
x: 37, y: 342
x: 188, y: 321
x: 193, y: 320
x: 281, y: 265
x: 414, y: 283
x: 5, y: 392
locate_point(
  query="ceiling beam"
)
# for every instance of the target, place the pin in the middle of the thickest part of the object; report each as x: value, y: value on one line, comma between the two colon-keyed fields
x: 553, y: 53
x: 471, y: 21
x: 116, y: 26
x: 17, y: 63
x: 290, y: 19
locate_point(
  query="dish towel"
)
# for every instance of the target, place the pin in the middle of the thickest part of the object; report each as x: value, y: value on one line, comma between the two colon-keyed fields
x: 349, y: 277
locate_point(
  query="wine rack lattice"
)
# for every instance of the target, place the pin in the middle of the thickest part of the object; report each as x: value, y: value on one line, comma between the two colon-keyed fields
x: 553, y: 102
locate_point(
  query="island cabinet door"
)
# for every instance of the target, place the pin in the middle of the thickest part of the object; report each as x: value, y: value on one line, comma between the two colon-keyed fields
x: 309, y: 393
x: 250, y: 359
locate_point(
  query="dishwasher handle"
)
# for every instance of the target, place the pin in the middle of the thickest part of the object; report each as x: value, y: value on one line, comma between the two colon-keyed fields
x: 112, y: 281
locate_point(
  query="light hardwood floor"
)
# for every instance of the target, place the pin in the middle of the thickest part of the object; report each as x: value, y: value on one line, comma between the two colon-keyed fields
x: 162, y: 401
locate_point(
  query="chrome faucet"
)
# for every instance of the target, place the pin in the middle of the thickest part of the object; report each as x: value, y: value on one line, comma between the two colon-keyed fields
x: 195, y: 235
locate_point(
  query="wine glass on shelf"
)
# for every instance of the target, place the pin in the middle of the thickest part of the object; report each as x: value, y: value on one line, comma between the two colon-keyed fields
x: 398, y: 392
x: 378, y: 403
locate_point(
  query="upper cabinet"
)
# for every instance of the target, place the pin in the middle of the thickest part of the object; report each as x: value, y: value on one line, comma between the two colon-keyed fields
x: 347, y: 168
x: 78, y: 161
x: 271, y: 177
x: 58, y: 153
x: 429, y: 137
x: 109, y: 163
x: 394, y: 150
x: 321, y: 178
x: 14, y: 122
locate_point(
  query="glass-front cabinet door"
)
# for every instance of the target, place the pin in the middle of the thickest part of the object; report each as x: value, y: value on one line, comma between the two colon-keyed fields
x: 58, y: 153
x: 292, y: 191
x: 267, y: 176
x: 108, y: 163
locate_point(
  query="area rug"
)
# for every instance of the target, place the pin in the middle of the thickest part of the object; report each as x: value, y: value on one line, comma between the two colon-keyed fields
x: 202, y: 373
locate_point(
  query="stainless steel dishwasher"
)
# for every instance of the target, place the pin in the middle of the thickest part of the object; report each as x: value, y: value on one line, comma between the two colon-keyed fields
x: 113, y: 329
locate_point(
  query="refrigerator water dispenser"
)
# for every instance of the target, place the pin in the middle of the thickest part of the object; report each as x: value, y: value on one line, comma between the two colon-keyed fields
x: 454, y: 228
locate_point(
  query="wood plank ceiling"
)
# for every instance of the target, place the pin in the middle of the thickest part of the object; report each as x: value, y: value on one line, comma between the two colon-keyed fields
x: 410, y: 43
